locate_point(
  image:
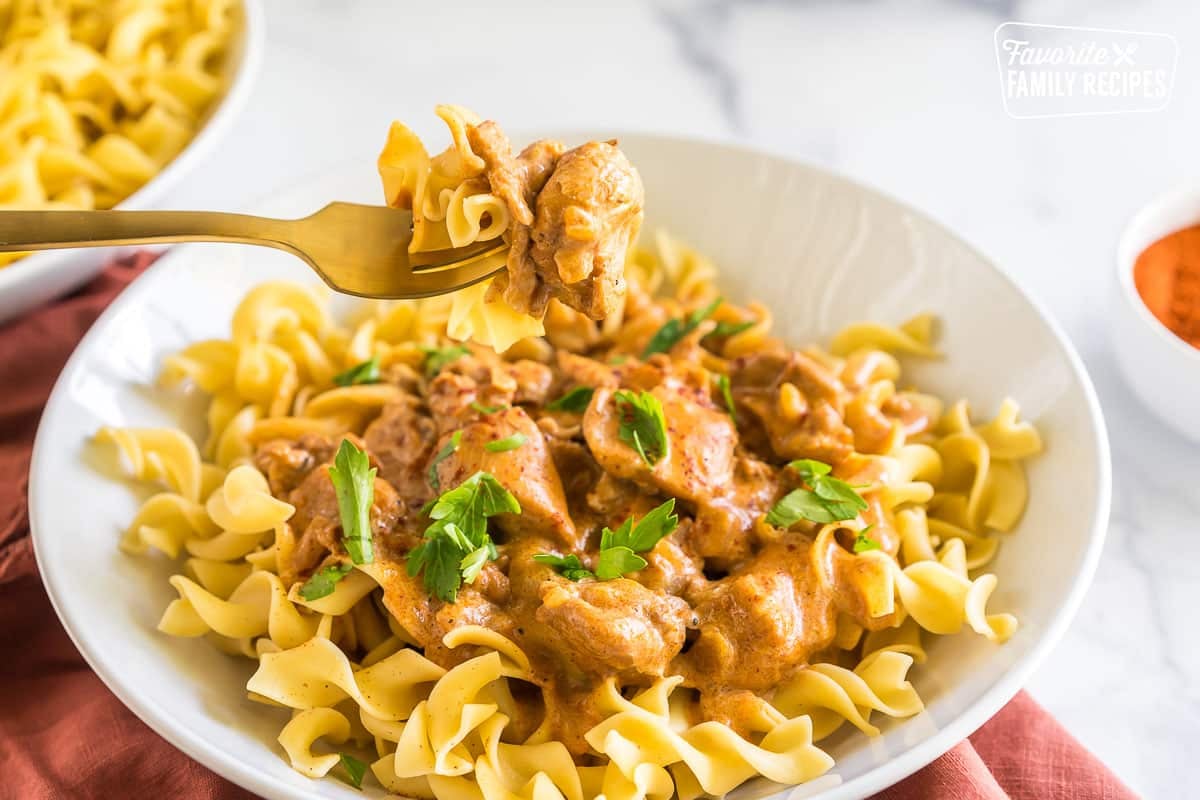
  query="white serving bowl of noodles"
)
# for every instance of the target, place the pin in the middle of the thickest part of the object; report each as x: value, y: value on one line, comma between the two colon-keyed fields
x: 818, y: 250
x: 41, y: 276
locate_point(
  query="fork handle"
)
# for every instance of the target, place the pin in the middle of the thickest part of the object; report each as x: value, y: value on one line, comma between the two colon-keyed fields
x: 48, y: 230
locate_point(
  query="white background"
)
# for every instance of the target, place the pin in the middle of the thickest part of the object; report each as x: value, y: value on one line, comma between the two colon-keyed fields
x: 902, y: 96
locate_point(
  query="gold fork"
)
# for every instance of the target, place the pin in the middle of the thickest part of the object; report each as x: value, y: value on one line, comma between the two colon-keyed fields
x: 356, y: 249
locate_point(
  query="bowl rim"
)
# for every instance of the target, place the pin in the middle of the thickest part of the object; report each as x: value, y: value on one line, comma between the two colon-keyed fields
x: 879, y: 777
x: 1132, y: 244
x: 252, y: 41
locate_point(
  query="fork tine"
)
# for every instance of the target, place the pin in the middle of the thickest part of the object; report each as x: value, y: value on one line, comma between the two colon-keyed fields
x: 435, y: 281
x: 433, y: 260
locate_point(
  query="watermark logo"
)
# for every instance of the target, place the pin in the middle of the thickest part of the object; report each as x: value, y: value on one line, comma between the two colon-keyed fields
x: 1062, y: 71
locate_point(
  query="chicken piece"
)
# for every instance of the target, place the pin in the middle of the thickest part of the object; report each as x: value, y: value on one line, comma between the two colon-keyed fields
x: 574, y: 217
x: 672, y: 567
x: 816, y: 429
x: 702, y: 440
x: 402, y: 438
x: 427, y: 620
x: 742, y: 710
x: 317, y: 521
x: 584, y: 371
x: 614, y: 626
x: 286, y: 463
x: 402, y: 375
x: 405, y: 597
x: 533, y: 381
x: 762, y: 622
x: 483, y: 379
x: 771, y: 369
x: 821, y: 435
x: 450, y: 399
x: 614, y: 499
x: 588, y: 216
x: 578, y: 470
x: 723, y: 530
x: 516, y: 181
x: 527, y: 471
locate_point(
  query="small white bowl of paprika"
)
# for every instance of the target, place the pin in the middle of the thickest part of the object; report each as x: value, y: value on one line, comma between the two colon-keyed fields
x: 1156, y: 313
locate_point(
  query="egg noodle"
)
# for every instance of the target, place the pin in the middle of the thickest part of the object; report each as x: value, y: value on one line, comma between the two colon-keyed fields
x: 97, y: 96
x: 453, y: 206
x: 349, y: 673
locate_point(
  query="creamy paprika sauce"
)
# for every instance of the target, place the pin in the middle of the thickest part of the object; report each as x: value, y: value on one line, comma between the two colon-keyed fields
x: 729, y: 602
x: 1167, y: 277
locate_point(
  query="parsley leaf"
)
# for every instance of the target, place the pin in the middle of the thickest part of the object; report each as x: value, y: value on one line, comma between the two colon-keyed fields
x: 447, y: 450
x: 507, y: 443
x: 619, y: 549
x: 439, y: 556
x: 366, y: 372
x: 655, y: 525
x: 570, y: 567
x: 827, y: 500
x: 863, y: 543
x: 727, y: 396
x: 355, y: 770
x: 472, y: 563
x: 731, y: 328
x: 438, y: 357
x: 576, y: 400
x: 470, y: 504
x: 675, y: 329
x: 643, y: 425
x: 810, y: 469
x: 797, y: 505
x: 616, y: 561
x: 457, y: 544
x: 323, y: 580
x: 354, y: 483
x: 482, y: 409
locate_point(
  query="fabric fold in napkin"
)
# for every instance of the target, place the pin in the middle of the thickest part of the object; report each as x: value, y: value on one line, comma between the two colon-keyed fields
x: 64, y: 735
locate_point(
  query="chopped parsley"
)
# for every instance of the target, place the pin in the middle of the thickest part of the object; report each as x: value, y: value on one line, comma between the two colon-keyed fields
x: 366, y: 372
x: 642, y: 425
x: 657, y: 524
x: 863, y: 543
x: 482, y: 409
x: 827, y: 499
x: 570, y: 567
x: 674, y: 330
x: 354, y: 483
x: 619, y: 549
x: 355, y: 770
x: 507, y: 443
x: 616, y: 561
x: 457, y: 544
x: 447, y: 450
x: 731, y: 328
x: 323, y: 581
x: 438, y: 357
x: 576, y: 400
x: 727, y: 396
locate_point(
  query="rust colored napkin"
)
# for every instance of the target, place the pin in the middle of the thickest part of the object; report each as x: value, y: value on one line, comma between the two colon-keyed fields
x: 64, y: 735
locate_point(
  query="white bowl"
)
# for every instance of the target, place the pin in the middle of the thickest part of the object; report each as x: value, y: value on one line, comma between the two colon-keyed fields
x: 41, y: 276
x: 818, y: 249
x: 1163, y: 369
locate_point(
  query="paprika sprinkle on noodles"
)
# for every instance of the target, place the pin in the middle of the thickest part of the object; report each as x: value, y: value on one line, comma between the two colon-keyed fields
x: 1167, y: 277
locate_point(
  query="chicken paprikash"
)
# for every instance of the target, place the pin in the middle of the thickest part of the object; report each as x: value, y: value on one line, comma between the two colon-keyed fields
x: 649, y: 551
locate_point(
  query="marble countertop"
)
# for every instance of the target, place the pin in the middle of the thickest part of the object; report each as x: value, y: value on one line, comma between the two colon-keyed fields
x: 902, y: 96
